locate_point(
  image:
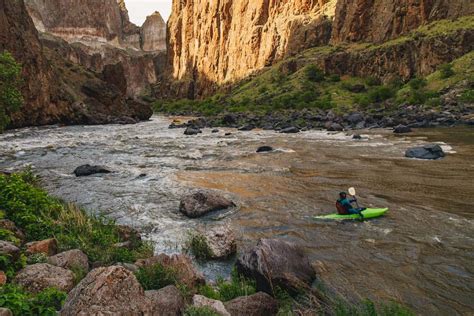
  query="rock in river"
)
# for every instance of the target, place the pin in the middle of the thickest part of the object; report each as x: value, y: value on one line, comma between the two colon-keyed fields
x: 190, y: 131
x: 221, y: 241
x: 430, y: 151
x: 402, y: 129
x: 263, y: 149
x: 87, y: 170
x: 201, y: 203
x: 275, y: 263
x: 290, y: 130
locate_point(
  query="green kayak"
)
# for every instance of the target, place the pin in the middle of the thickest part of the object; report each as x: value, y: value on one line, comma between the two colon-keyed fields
x: 368, y: 213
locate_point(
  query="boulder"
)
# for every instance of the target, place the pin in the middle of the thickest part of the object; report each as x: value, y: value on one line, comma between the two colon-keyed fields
x: 263, y: 149
x: 190, y: 131
x: 215, y: 131
x: 186, y: 273
x: 129, y: 266
x: 334, y: 127
x: 201, y: 203
x: 355, y: 118
x: 221, y: 241
x: 5, y: 312
x: 38, y: 277
x: 108, y: 291
x: 217, y: 306
x: 253, y: 305
x: 430, y: 151
x: 8, y: 248
x: 9, y: 225
x: 70, y: 259
x: 275, y: 263
x: 402, y: 129
x: 356, y: 136
x: 167, y: 301
x: 48, y: 246
x: 87, y: 170
x: 290, y: 130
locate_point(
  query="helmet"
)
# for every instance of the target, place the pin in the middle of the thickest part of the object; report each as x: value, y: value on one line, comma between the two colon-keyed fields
x: 342, y: 194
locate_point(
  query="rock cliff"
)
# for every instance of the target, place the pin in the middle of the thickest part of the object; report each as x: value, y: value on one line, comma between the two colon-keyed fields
x: 222, y: 41
x: 100, y: 33
x: 56, y: 91
x: 378, y: 21
x: 214, y: 43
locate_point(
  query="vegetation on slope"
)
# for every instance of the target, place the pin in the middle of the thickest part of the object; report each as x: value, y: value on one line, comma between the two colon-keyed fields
x: 10, y: 82
x: 285, y: 86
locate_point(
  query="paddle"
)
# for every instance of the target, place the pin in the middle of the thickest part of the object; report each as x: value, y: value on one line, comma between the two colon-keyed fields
x: 352, y: 192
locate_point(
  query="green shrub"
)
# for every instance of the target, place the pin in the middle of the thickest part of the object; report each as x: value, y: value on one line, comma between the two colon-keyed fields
x: 373, y: 81
x: 10, y: 82
x: 41, y: 216
x: 8, y: 235
x: 313, y: 73
x: 467, y: 96
x: 200, y: 311
x: 334, y: 78
x: 380, y: 94
x: 198, y: 246
x: 22, y: 303
x: 417, y: 83
x: 37, y: 258
x: 446, y: 71
x: 10, y: 266
x: 228, y: 290
x: 156, y: 277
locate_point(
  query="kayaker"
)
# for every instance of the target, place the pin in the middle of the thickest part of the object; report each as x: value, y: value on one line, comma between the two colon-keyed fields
x: 344, y: 205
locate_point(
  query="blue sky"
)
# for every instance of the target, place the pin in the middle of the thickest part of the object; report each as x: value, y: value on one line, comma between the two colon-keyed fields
x: 140, y: 9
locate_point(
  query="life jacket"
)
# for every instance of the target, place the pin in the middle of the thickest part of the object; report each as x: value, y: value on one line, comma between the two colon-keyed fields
x: 341, y: 209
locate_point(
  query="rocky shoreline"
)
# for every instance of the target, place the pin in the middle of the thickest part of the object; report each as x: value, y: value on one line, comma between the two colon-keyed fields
x: 291, y: 121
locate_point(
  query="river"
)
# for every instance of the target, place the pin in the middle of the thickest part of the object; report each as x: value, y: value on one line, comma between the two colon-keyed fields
x: 420, y: 254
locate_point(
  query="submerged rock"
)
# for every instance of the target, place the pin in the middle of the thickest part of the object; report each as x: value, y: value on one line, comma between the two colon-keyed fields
x: 356, y: 136
x: 190, y: 131
x: 87, y: 170
x: 253, y: 305
x: 108, y: 291
x: 201, y: 203
x: 247, y: 127
x: 290, y: 130
x: 263, y: 149
x: 430, y: 152
x: 38, y: 277
x: 275, y: 263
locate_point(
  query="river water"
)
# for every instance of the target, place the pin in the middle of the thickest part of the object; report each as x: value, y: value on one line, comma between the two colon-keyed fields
x: 420, y: 254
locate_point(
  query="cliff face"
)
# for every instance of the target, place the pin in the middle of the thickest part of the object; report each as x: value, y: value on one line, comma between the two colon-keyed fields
x: 222, y: 41
x: 55, y: 91
x: 378, y: 21
x: 153, y: 33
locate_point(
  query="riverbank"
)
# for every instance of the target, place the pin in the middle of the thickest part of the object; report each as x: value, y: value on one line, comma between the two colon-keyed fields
x: 54, y: 256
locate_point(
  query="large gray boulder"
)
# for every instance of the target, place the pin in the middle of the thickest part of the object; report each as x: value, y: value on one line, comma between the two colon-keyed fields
x: 9, y: 249
x: 430, y: 152
x: 70, y: 259
x: 221, y: 241
x: 167, y: 301
x: 276, y: 263
x: 38, y: 277
x: 253, y: 305
x: 201, y: 203
x: 108, y: 291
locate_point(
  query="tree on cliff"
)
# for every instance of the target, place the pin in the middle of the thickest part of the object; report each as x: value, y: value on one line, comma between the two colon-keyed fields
x: 10, y: 82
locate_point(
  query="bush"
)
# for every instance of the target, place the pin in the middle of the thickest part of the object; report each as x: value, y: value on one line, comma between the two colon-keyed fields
x: 41, y: 216
x: 10, y: 82
x: 198, y: 246
x: 373, y: 81
x: 228, y: 290
x: 446, y: 71
x: 417, y: 83
x: 313, y: 73
x: 22, y: 303
x: 200, y: 311
x: 467, y: 96
x: 10, y: 266
x: 334, y: 78
x: 156, y: 277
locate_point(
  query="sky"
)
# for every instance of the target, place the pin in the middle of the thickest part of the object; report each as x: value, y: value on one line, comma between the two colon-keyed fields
x: 138, y: 10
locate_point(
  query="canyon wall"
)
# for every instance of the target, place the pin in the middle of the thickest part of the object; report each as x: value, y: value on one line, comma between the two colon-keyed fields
x: 214, y: 43
x: 382, y: 20
x: 222, y: 41
x: 100, y: 33
x: 54, y: 90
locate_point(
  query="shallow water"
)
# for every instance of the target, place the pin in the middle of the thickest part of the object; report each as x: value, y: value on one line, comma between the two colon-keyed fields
x: 421, y: 253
